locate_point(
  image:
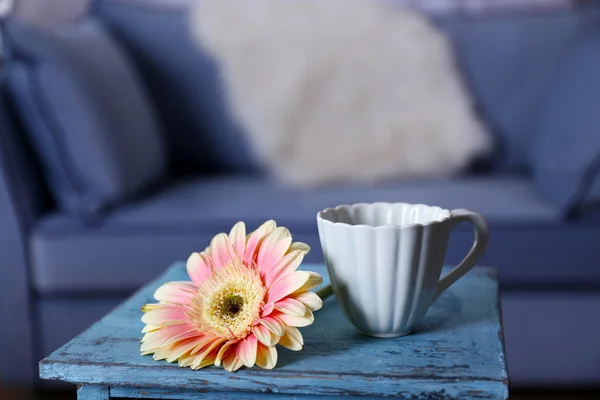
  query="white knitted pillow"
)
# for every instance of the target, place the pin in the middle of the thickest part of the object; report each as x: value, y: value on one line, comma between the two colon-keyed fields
x: 341, y: 90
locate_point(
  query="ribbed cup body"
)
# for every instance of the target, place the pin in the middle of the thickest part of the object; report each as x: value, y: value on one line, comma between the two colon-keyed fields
x: 384, y: 261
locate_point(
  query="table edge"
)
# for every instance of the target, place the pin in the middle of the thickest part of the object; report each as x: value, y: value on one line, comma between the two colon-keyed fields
x: 285, y: 388
x: 47, y: 372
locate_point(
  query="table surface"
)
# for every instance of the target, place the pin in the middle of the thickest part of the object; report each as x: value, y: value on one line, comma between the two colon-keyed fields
x: 457, y: 351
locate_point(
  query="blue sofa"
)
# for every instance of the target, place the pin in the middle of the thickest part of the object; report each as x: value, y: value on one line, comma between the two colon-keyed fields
x: 64, y: 263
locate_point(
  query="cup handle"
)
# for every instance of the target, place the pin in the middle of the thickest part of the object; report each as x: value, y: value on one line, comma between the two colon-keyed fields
x: 482, y: 236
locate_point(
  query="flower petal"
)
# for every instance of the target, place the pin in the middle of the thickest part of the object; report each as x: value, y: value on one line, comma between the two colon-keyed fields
x: 201, y: 361
x: 274, y: 325
x: 210, y: 352
x: 292, y: 320
x: 186, y: 360
x: 299, y: 246
x: 291, y: 307
x: 202, y: 344
x: 246, y: 351
x: 180, y: 349
x: 237, y: 238
x: 292, y: 339
x: 191, y: 332
x: 272, y: 250
x: 255, y: 238
x: 151, y: 328
x: 223, y: 351
x: 265, y: 336
x: 288, y: 264
x: 286, y: 285
x: 164, y: 316
x: 266, y: 309
x: 161, y: 354
x: 231, y: 362
x: 152, y: 306
x: 221, y: 250
x: 266, y: 357
x: 163, y: 333
x: 309, y: 299
x: 152, y: 341
x: 198, y: 267
x: 176, y: 292
x: 313, y: 281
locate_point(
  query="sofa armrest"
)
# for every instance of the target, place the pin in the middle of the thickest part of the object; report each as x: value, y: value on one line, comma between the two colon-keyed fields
x: 20, y: 204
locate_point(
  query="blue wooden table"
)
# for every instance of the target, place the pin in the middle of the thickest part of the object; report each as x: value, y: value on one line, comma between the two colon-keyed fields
x: 457, y: 352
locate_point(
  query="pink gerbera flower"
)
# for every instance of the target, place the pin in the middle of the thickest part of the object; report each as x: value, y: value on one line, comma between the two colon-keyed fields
x: 245, y: 296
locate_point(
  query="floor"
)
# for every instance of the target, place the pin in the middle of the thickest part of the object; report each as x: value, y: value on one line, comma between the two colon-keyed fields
x: 14, y: 394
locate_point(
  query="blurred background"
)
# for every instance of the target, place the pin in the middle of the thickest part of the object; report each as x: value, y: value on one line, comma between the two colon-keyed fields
x: 132, y: 131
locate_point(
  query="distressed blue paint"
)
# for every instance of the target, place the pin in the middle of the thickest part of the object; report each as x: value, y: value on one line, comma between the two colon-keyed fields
x: 93, y: 392
x: 413, y: 389
x: 456, y: 352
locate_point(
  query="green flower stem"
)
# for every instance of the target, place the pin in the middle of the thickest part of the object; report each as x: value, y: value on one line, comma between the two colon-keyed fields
x: 325, y: 292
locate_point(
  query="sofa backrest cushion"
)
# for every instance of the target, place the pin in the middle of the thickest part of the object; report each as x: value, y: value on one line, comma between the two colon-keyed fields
x: 85, y: 112
x: 566, y: 156
x: 184, y: 81
x: 20, y: 175
x: 510, y: 60
x: 508, y: 57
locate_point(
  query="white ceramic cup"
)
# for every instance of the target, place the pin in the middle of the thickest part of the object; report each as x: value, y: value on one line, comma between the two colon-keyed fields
x: 385, y: 260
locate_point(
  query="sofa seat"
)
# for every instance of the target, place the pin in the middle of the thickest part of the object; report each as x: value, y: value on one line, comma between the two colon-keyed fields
x: 132, y: 244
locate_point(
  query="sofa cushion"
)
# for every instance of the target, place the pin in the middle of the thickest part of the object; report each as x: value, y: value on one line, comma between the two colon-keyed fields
x: 510, y: 61
x: 137, y: 241
x: 85, y: 112
x: 566, y: 154
x: 184, y: 82
x: 19, y: 176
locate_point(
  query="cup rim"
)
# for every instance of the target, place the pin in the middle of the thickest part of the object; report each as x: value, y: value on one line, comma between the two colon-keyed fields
x: 447, y: 214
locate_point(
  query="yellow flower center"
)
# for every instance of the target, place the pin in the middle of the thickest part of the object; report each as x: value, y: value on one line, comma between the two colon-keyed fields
x: 228, y: 303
